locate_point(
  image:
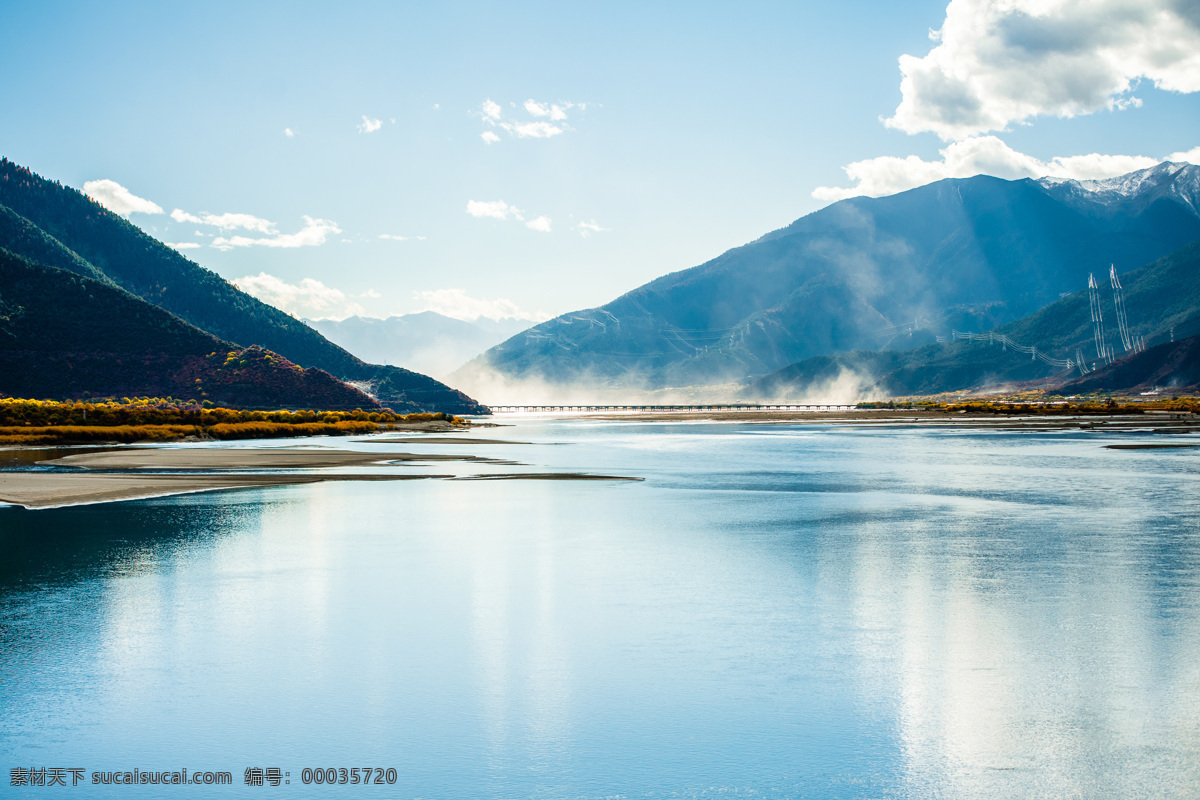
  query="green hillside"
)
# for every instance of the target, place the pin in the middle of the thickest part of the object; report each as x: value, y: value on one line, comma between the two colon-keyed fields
x: 143, y: 266
x: 1163, y: 302
x: 65, y: 336
x: 19, y: 235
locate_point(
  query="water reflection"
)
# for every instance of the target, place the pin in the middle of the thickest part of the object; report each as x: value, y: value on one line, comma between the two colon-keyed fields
x: 774, y: 612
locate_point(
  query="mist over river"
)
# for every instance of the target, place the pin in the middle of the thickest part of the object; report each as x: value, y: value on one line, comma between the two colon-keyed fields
x: 775, y: 611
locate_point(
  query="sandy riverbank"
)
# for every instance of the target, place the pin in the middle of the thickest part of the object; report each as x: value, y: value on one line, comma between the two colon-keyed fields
x: 136, y: 473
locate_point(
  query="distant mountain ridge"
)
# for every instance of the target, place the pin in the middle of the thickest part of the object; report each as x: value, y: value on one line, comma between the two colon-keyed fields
x: 864, y: 274
x: 126, y: 256
x: 426, y: 341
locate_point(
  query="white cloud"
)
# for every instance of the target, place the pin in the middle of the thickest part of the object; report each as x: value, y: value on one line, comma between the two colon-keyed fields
x: 491, y: 110
x: 1190, y: 156
x: 987, y: 155
x: 457, y: 304
x: 369, y: 125
x: 496, y: 209
x: 288, y: 132
x: 531, y: 130
x: 183, y: 245
x: 226, y: 221
x: 310, y: 298
x: 393, y: 237
x: 119, y: 200
x: 314, y: 233
x: 999, y: 62
x: 586, y: 229
x: 436, y: 106
x: 539, y: 224
x: 541, y: 127
x: 550, y: 110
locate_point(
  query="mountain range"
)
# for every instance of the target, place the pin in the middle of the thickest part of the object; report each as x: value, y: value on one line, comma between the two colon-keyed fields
x: 864, y: 274
x: 55, y: 226
x: 427, y: 341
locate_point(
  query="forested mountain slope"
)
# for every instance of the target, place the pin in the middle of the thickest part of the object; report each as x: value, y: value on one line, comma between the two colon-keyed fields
x: 66, y: 336
x: 142, y: 265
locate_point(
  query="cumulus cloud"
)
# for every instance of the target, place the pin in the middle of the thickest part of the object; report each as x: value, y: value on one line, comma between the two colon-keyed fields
x: 539, y: 224
x: 532, y: 130
x: 496, y: 209
x: 551, y: 110
x: 541, y: 126
x: 288, y: 132
x: 310, y: 298
x: 119, y: 200
x: 369, y: 125
x: 586, y: 229
x: 999, y: 62
x: 226, y: 221
x: 183, y: 245
x: 457, y: 304
x: 981, y: 155
x: 393, y: 237
x: 491, y: 110
x: 314, y: 233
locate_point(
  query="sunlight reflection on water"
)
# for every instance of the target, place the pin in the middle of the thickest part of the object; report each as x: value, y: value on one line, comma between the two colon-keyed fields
x: 776, y: 611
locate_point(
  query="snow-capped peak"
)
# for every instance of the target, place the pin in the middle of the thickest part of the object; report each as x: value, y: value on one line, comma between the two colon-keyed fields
x: 1133, y: 183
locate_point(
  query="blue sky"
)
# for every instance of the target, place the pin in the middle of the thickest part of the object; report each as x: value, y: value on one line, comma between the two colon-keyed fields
x: 532, y: 159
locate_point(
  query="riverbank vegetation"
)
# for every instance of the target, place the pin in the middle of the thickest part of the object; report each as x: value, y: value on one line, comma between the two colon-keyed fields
x: 156, y: 419
x: 1032, y: 404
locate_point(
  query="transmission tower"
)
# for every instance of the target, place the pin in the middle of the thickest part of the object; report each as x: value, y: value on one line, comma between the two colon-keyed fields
x: 1119, y: 302
x: 1102, y: 350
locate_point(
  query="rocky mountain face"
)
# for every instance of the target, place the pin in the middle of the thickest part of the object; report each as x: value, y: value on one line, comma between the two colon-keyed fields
x: 888, y: 273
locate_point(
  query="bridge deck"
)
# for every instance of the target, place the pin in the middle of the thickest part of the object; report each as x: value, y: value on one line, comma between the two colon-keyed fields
x: 534, y: 409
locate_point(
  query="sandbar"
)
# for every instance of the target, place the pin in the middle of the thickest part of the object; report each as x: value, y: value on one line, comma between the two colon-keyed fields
x: 56, y: 489
x: 435, y: 440
x: 235, y: 458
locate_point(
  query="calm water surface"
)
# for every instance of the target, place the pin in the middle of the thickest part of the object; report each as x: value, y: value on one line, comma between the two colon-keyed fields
x: 775, y: 612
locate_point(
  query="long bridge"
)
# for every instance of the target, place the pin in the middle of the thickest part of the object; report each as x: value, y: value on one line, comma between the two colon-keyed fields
x: 536, y: 409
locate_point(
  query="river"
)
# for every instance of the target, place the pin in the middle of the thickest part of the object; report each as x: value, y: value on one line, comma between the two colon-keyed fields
x: 775, y: 611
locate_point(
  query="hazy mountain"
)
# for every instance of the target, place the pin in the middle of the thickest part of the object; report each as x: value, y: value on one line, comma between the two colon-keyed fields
x: 112, y: 343
x: 123, y: 254
x: 427, y: 341
x: 1162, y: 301
x: 864, y: 273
